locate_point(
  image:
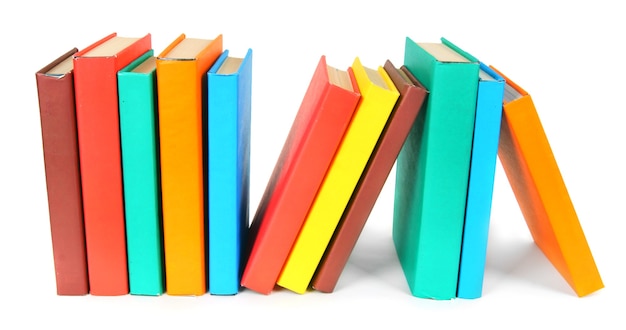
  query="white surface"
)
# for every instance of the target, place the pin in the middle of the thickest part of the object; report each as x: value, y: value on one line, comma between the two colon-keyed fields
x: 567, y: 56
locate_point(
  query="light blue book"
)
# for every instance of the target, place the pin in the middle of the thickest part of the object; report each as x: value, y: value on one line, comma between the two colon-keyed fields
x: 138, y: 135
x: 481, y: 180
x: 229, y: 83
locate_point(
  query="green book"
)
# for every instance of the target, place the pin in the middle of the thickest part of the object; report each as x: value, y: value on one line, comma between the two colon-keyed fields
x: 432, y: 170
x: 137, y: 107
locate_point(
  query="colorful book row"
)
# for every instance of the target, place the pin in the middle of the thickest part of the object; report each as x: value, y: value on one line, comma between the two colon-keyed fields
x: 130, y: 154
x: 169, y: 212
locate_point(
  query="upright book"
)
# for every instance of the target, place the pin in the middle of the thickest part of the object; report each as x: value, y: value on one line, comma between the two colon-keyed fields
x: 181, y: 84
x: 315, y: 134
x: 97, y: 115
x: 412, y: 95
x: 55, y: 89
x: 229, y: 98
x: 140, y: 167
x: 432, y: 170
x: 378, y: 98
x: 480, y: 185
x: 534, y: 175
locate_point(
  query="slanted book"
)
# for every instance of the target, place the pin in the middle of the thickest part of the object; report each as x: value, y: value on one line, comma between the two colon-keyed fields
x: 140, y: 166
x: 55, y: 89
x: 412, y: 95
x: 97, y: 116
x: 229, y: 118
x: 534, y: 175
x: 432, y: 170
x: 181, y: 85
x: 321, y: 121
x: 378, y: 98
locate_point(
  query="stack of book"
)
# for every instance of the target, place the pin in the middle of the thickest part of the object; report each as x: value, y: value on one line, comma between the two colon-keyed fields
x: 136, y: 148
x: 147, y: 162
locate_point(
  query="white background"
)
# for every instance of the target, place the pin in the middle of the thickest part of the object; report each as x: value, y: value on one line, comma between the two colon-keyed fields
x: 567, y: 56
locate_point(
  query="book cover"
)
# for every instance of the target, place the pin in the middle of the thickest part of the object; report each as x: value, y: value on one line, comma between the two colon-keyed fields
x: 323, y: 116
x: 181, y: 83
x: 378, y: 98
x: 480, y: 185
x: 229, y: 97
x: 534, y: 175
x: 97, y: 117
x: 55, y: 90
x: 140, y: 168
x: 412, y: 95
x: 432, y: 170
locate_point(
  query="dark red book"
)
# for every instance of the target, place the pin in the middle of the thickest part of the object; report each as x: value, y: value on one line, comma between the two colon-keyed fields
x: 97, y: 118
x: 412, y: 95
x: 55, y: 89
x: 317, y: 130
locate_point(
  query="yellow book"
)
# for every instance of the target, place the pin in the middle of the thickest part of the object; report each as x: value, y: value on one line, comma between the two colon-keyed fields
x: 378, y: 97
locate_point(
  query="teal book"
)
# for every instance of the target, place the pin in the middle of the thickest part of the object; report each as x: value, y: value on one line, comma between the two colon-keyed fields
x: 480, y: 186
x: 140, y: 168
x: 432, y: 170
x: 229, y: 83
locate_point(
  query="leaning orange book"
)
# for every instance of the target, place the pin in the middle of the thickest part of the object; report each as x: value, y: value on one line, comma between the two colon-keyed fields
x: 534, y: 176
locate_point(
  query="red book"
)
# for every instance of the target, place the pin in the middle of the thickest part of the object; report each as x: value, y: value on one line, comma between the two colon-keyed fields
x: 317, y: 130
x: 412, y: 95
x: 95, y: 84
x: 55, y: 89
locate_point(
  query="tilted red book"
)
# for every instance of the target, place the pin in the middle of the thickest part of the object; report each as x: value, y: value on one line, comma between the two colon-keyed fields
x: 316, y: 132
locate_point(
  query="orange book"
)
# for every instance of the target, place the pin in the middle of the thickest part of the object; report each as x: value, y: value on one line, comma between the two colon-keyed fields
x: 536, y: 180
x: 97, y: 120
x: 180, y: 69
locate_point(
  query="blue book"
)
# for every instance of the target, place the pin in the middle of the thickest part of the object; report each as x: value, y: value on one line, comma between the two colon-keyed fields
x: 229, y: 102
x: 480, y: 186
x: 138, y: 135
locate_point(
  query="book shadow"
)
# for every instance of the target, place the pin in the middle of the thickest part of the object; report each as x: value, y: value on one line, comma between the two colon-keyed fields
x: 373, y: 259
x: 521, y: 261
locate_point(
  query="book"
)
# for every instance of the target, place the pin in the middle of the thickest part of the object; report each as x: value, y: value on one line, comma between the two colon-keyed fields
x: 97, y: 118
x: 140, y: 168
x: 378, y: 97
x: 181, y: 83
x: 55, y: 90
x: 480, y: 185
x: 412, y: 95
x: 539, y: 188
x: 322, y: 118
x: 432, y: 170
x: 229, y: 87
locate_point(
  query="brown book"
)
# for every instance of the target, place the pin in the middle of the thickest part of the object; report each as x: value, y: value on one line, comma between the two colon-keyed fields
x: 412, y: 95
x: 55, y: 88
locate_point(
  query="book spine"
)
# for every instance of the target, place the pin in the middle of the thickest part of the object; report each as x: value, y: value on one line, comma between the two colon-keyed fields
x: 99, y: 141
x: 137, y: 105
x: 182, y: 188
x: 228, y: 173
x: 63, y: 184
x: 480, y: 188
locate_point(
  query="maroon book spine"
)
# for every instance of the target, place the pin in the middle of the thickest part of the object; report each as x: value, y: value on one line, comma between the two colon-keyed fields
x: 62, y: 171
x: 412, y: 95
